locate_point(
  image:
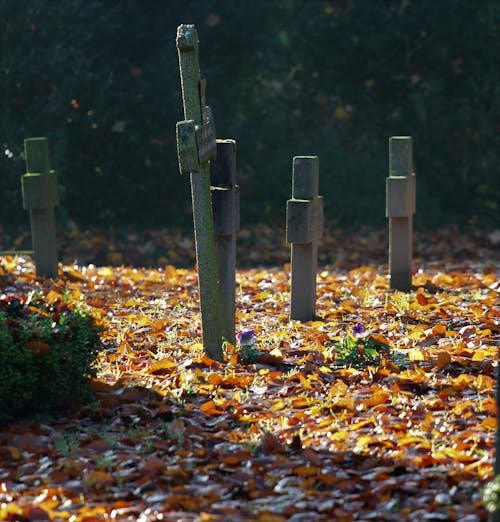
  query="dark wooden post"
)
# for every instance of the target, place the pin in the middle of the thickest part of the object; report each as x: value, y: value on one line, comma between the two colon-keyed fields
x: 400, y: 207
x: 196, y: 145
x: 226, y: 209
x: 495, y: 516
x: 39, y: 189
x: 304, y: 226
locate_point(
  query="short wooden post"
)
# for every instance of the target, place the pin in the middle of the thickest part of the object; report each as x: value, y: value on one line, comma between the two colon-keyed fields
x: 304, y: 226
x: 196, y: 145
x: 39, y: 189
x: 400, y: 207
x: 226, y: 209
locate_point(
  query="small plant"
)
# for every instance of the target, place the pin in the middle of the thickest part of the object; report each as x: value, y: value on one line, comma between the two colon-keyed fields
x: 248, y: 351
x: 46, y: 354
x: 66, y: 444
x: 491, y: 495
x: 358, y: 349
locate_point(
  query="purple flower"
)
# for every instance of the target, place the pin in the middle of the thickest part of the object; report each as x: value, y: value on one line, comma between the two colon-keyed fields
x: 358, y: 330
x: 247, y: 338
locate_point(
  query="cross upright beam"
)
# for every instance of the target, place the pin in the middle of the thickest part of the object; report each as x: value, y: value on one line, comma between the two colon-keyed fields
x: 196, y: 145
x: 400, y: 207
x: 39, y: 189
x: 303, y: 229
x: 226, y: 209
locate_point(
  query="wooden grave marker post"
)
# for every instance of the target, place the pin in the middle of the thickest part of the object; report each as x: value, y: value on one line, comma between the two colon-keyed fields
x: 39, y: 189
x: 304, y: 226
x: 226, y: 210
x: 400, y: 207
x: 196, y: 145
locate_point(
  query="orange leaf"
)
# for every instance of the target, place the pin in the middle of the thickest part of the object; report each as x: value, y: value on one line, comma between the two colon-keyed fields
x: 98, y: 479
x: 421, y: 298
x: 214, y: 379
x: 210, y: 408
x: 443, y: 359
x: 439, y: 329
x: 154, y: 465
x: 39, y: 348
x: 305, y: 471
x: 489, y: 423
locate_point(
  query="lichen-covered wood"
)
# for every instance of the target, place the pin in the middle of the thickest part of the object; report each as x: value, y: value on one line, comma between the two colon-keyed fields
x: 400, y: 207
x: 226, y: 210
x: 40, y: 195
x: 304, y: 228
x: 195, y: 109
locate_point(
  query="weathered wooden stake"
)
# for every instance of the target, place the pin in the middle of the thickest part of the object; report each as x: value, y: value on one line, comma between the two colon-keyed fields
x: 226, y: 209
x: 39, y: 189
x: 304, y: 226
x: 400, y: 207
x: 196, y: 145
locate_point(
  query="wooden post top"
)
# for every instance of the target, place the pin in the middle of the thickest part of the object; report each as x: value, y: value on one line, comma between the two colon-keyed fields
x: 36, y: 153
x: 196, y: 135
x: 305, y: 177
x: 401, y: 183
x: 223, y: 171
x: 400, y: 156
x: 225, y: 190
x: 187, y: 47
x: 305, y: 210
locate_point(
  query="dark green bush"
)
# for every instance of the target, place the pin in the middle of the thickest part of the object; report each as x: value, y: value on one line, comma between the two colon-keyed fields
x: 46, y: 354
x: 285, y: 77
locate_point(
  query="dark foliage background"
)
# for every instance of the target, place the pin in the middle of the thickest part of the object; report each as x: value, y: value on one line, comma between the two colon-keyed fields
x: 332, y: 78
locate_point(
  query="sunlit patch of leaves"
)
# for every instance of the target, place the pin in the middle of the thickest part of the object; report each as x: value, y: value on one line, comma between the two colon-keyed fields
x: 288, y: 432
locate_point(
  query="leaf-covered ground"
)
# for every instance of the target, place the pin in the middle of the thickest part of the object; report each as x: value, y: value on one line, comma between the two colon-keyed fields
x: 292, y: 434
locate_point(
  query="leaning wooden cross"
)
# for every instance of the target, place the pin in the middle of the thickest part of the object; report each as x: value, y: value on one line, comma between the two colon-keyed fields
x: 304, y: 226
x: 196, y: 145
x: 39, y: 189
x: 226, y: 210
x: 400, y: 207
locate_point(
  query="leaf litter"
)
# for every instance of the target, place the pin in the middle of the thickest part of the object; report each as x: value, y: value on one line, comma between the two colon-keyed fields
x: 293, y: 433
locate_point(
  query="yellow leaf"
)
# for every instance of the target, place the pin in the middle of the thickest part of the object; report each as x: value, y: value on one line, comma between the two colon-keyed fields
x: 341, y: 114
x: 481, y: 355
x: 366, y: 440
x: 338, y: 388
x: 305, y: 383
x: 344, y: 402
x: 415, y: 354
x: 378, y: 397
x: 53, y: 297
x: 162, y: 366
x: 260, y: 296
x: 277, y: 405
x: 105, y: 272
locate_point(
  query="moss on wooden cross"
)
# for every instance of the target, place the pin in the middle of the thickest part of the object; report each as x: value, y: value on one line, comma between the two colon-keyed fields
x: 196, y: 146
